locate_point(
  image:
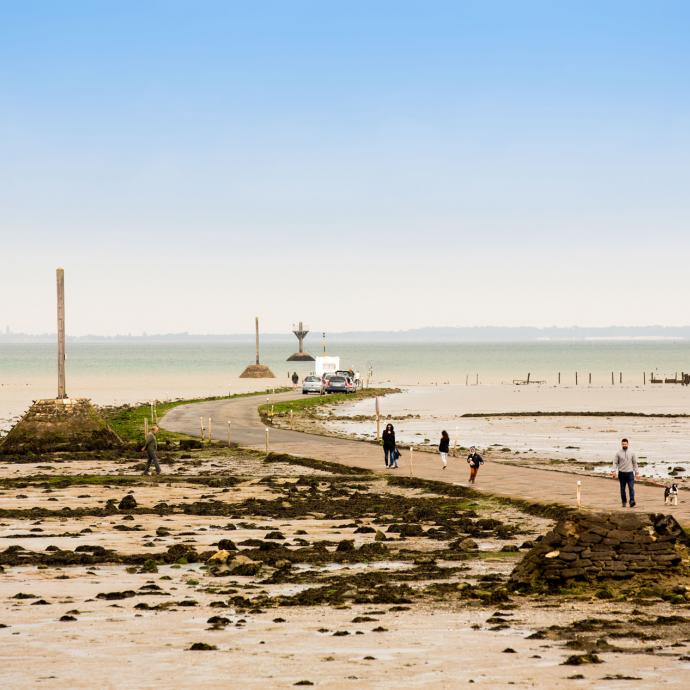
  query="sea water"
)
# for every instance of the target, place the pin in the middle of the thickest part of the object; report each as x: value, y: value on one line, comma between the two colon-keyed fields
x: 128, y: 371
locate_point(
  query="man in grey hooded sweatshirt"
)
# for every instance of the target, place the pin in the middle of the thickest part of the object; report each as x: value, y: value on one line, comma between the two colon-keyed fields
x: 625, y: 464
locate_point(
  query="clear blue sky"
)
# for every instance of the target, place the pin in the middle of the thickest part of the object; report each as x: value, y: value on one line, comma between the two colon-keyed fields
x: 357, y: 165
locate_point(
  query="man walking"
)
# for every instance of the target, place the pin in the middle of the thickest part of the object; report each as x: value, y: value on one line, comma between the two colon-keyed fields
x: 151, y: 446
x: 625, y: 464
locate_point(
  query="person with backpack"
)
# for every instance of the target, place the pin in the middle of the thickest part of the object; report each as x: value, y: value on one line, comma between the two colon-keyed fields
x: 474, y: 460
x: 389, y: 448
x: 444, y: 448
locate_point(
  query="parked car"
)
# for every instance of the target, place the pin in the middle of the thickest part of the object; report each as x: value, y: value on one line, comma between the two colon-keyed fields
x: 312, y: 384
x: 340, y: 384
x: 352, y: 375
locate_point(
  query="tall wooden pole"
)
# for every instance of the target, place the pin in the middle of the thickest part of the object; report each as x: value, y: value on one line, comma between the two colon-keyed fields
x: 257, y: 339
x: 62, y: 391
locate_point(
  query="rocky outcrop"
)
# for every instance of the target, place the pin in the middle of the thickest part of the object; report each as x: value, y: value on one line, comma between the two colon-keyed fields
x: 603, y: 546
x: 69, y: 424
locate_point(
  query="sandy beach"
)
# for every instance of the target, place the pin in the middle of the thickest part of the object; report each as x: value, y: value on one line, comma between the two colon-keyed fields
x: 337, y: 595
x: 662, y: 443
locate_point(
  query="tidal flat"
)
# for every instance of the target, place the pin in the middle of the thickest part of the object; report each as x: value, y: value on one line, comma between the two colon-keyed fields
x: 234, y: 569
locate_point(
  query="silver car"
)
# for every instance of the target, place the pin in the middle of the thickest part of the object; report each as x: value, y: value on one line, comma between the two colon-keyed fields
x: 312, y: 384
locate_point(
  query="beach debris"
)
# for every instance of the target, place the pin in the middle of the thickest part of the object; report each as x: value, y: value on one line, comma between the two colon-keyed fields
x: 202, y: 647
x: 127, y: 503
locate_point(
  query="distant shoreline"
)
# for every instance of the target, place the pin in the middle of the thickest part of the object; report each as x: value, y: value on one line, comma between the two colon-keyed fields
x: 497, y: 334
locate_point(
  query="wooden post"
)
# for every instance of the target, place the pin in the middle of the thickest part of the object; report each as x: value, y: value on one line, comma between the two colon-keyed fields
x: 613, y: 382
x: 210, y: 428
x: 644, y: 378
x: 62, y: 390
x: 377, y: 409
x: 620, y: 379
x: 477, y: 380
x: 579, y: 493
x: 228, y: 432
x: 201, y: 426
x: 266, y: 440
x: 590, y: 378
x: 256, y: 323
x: 467, y: 379
x: 576, y: 378
x: 559, y: 378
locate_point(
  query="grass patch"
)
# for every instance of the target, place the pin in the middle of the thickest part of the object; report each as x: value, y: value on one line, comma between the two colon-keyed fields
x: 309, y: 404
x: 65, y: 481
x: 127, y: 421
x: 314, y: 464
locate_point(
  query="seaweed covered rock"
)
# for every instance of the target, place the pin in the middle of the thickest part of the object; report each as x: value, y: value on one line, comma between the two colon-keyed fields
x: 591, y: 547
x: 70, y: 424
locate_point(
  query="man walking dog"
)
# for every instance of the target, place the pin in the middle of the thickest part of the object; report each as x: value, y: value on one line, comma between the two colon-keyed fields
x: 625, y: 465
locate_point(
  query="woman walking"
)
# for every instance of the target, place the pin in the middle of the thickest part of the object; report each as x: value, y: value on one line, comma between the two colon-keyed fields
x: 474, y: 460
x: 388, y: 440
x: 443, y: 448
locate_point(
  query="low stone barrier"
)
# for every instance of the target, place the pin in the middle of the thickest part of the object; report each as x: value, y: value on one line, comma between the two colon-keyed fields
x: 588, y: 546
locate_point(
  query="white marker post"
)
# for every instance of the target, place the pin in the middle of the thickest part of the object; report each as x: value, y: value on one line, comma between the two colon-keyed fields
x: 228, y: 432
x: 210, y: 428
x: 266, y: 440
x: 201, y: 427
x: 579, y: 493
x: 411, y: 451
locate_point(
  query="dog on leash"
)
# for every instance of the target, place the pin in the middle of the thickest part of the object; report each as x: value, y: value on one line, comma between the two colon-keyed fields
x: 671, y: 495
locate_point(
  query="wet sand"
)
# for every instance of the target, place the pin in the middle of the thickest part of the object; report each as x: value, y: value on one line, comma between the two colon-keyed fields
x: 411, y: 609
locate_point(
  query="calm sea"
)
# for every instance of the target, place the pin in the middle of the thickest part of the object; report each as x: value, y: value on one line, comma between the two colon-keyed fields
x: 120, y: 372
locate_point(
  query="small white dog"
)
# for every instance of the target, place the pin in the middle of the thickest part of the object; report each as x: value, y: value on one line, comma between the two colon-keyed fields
x: 671, y: 495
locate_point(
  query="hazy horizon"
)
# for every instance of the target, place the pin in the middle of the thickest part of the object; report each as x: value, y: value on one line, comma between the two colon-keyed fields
x: 439, y: 334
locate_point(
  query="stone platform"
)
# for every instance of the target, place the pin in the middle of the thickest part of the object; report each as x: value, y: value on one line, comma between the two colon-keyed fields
x: 60, y: 425
x: 595, y: 546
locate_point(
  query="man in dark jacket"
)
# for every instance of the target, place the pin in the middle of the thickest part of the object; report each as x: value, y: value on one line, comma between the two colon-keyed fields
x: 474, y: 460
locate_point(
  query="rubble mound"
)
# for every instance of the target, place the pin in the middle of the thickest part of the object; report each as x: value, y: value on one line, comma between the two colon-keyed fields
x: 69, y: 424
x: 591, y: 547
x: 257, y: 371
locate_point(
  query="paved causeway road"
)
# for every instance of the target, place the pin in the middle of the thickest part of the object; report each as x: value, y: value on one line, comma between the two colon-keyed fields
x: 502, y: 479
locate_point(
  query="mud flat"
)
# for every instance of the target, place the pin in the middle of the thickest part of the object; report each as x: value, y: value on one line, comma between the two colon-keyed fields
x: 237, y: 570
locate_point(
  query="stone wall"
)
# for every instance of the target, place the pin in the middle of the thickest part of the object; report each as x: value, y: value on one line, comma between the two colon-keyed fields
x: 54, y: 425
x: 588, y: 546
